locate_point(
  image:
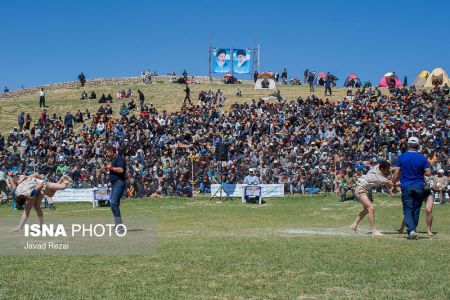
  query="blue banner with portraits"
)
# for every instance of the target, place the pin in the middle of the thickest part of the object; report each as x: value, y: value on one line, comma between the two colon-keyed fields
x: 241, y: 61
x: 221, y: 60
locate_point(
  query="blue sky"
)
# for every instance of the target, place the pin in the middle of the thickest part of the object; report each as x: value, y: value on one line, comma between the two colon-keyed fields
x: 52, y: 41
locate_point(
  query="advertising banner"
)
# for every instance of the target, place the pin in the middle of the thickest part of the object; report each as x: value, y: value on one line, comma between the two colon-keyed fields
x: 237, y: 190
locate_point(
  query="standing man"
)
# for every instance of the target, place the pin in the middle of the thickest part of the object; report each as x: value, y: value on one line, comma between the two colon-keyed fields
x: 21, y: 120
x: 328, y: 85
x: 311, y: 81
x: 117, y: 171
x: 141, y: 99
x: 188, y: 95
x: 284, y: 76
x: 68, y: 121
x: 82, y: 79
x: 411, y: 168
x: 41, y: 98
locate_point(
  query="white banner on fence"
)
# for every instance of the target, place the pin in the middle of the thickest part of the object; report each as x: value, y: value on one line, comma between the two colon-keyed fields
x: 74, y: 195
x: 237, y: 190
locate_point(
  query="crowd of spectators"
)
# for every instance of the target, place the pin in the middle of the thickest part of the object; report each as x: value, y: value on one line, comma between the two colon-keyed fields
x: 306, y: 144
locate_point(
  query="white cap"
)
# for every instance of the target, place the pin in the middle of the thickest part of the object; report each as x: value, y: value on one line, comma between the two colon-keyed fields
x: 413, y: 141
x: 441, y: 171
x: 251, y: 170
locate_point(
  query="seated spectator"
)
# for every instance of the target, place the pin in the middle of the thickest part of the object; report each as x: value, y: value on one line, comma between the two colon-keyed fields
x: 108, y: 110
x: 100, y: 127
x: 440, y: 185
x: 184, y: 188
x: 109, y: 98
x: 129, y: 93
x: 360, y: 165
x: 84, y: 96
x: 79, y: 117
x: 445, y: 89
x: 123, y: 110
x: 204, y: 185
x: 102, y: 99
x: 131, y: 105
x: 345, y: 183
x: 145, y: 113
x: 93, y: 95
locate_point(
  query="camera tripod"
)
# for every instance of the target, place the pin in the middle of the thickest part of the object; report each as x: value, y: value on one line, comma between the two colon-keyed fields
x: 221, y: 189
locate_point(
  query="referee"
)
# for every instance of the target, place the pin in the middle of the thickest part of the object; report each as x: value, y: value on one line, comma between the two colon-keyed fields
x: 411, y: 167
x: 117, y: 171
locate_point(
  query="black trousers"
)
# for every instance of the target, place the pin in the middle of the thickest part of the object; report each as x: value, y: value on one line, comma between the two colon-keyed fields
x: 327, y: 89
x: 311, y: 87
x: 42, y: 101
x: 187, y: 98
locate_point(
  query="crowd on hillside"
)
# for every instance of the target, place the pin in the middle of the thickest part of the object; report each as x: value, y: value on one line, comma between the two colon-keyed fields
x: 304, y: 144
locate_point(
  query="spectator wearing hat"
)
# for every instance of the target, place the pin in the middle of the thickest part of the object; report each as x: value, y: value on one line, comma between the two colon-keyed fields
x: 411, y: 168
x: 251, y: 178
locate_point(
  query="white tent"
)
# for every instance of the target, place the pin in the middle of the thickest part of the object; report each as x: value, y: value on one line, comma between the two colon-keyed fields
x: 420, y: 80
x: 265, y: 81
x: 437, y: 78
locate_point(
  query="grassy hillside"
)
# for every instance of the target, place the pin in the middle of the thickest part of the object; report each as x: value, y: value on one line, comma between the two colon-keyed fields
x: 162, y: 95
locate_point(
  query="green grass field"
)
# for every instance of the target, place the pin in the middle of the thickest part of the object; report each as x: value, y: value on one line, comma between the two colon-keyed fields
x: 232, y: 250
x: 161, y: 95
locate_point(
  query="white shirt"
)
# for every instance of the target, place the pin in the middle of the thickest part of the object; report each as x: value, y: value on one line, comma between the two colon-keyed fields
x: 372, y: 179
x: 251, y: 179
x: 41, y: 93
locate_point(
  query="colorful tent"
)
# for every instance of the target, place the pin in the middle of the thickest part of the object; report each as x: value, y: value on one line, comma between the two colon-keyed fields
x: 420, y: 80
x: 320, y: 78
x: 265, y: 81
x: 437, y: 78
x: 384, y: 81
x: 352, y: 80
